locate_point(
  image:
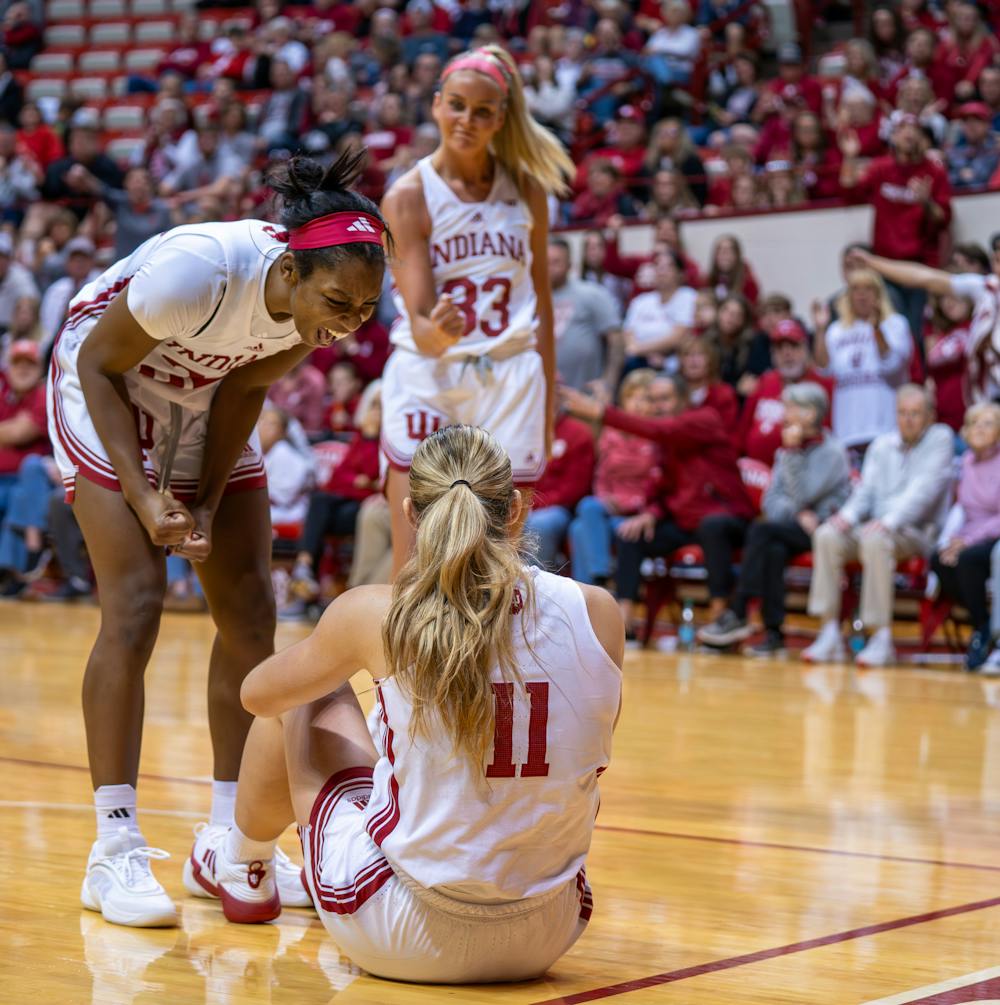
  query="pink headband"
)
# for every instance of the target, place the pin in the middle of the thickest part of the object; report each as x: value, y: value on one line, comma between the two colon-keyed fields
x: 480, y: 63
x: 337, y: 228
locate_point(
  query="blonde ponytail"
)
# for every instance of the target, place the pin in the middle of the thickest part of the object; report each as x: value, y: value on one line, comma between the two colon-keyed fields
x: 525, y: 148
x: 451, y: 619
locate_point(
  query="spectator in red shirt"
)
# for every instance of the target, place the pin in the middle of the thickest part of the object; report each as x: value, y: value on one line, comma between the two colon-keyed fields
x: 189, y: 53
x: 729, y: 272
x: 666, y: 231
x: 345, y: 392
x: 759, y: 434
x: 22, y: 414
x: 941, y: 367
x: 970, y: 48
x: 388, y: 132
x: 627, y: 151
x: 911, y: 197
x: 567, y: 478
x: 699, y: 498
x: 815, y: 156
x: 22, y: 39
x: 699, y: 365
x: 35, y: 139
x: 604, y: 196
x: 334, y: 508
x: 783, y: 98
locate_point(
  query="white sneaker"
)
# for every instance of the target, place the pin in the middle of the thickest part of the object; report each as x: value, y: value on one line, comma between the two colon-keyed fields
x: 828, y: 647
x: 991, y: 668
x: 879, y: 652
x: 291, y: 879
x: 120, y: 884
x: 248, y: 891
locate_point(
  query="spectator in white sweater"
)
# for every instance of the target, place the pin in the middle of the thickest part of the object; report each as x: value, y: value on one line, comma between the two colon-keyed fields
x: 289, y: 473
x: 867, y: 352
x: 893, y: 513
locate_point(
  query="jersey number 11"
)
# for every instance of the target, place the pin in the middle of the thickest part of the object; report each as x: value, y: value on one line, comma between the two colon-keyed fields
x: 502, y: 765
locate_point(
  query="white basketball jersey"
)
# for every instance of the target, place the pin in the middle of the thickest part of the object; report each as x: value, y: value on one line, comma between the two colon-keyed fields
x: 481, y: 255
x: 199, y: 291
x: 518, y: 825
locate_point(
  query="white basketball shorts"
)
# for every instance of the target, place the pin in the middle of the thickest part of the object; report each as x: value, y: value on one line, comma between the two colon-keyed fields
x: 392, y: 927
x: 78, y: 449
x: 421, y: 394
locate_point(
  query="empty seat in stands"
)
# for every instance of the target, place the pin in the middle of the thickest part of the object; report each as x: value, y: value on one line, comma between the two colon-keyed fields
x: 89, y: 88
x: 122, y: 118
x: 110, y: 33
x: 64, y: 10
x: 143, y: 60
x: 147, y: 7
x: 52, y: 62
x: 155, y: 31
x: 99, y: 61
x: 45, y: 87
x: 124, y: 149
x: 107, y: 9
x: 65, y: 34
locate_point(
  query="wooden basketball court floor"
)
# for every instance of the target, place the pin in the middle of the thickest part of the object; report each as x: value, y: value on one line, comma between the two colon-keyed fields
x: 768, y: 834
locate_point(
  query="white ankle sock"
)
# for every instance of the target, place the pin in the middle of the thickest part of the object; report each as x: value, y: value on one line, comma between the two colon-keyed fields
x: 240, y: 848
x: 115, y: 806
x: 223, y: 803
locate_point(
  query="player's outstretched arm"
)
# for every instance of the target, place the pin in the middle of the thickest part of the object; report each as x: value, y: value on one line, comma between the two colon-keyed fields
x: 347, y: 639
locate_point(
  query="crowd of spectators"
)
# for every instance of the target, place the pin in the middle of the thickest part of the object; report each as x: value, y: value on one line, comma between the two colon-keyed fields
x: 671, y: 110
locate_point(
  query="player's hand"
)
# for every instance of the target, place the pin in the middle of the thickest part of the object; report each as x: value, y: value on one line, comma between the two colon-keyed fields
x: 447, y: 325
x: 197, y: 546
x: 166, y: 521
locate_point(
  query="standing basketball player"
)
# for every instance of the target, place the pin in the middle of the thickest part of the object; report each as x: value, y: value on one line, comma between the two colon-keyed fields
x: 452, y: 849
x: 474, y: 342
x: 157, y: 379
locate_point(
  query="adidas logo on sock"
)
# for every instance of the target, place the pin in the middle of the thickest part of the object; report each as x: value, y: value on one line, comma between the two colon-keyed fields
x: 120, y: 814
x: 361, y: 225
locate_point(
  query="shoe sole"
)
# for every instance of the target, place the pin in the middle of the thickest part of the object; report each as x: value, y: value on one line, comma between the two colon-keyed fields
x: 128, y: 920
x: 240, y: 912
x: 723, y: 640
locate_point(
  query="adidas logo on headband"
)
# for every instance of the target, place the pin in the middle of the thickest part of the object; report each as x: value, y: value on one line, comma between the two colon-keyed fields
x: 361, y: 226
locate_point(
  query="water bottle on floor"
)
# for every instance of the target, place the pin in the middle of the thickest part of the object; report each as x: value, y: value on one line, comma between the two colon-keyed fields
x: 685, y: 634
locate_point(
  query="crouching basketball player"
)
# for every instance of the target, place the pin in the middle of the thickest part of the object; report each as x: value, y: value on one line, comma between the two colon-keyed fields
x: 452, y: 848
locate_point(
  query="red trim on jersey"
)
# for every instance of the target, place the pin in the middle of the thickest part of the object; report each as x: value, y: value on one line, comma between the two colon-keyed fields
x: 369, y: 880
x: 383, y: 823
x: 585, y: 895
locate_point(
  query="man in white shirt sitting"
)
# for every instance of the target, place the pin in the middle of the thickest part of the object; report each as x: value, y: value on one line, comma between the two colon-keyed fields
x: 893, y: 513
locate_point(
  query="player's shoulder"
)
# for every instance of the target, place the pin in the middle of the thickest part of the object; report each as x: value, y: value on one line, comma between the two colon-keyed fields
x: 606, y: 619
x: 356, y: 617
x: 405, y: 205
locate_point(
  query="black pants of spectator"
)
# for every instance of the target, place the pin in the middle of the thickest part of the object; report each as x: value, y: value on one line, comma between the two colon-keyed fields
x: 965, y: 582
x: 67, y: 541
x: 328, y: 514
x: 769, y: 547
x: 719, y: 536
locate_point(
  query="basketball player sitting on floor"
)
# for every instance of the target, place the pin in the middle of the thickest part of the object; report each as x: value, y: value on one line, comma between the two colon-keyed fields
x: 450, y: 849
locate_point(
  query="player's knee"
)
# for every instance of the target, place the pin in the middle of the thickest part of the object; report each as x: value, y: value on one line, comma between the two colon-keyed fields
x: 132, y: 618
x: 247, y: 617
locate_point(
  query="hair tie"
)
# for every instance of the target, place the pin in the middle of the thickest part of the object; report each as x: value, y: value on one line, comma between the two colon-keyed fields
x: 459, y: 481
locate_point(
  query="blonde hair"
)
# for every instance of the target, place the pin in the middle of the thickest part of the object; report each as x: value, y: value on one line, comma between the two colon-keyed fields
x: 635, y: 381
x: 978, y: 410
x: 452, y: 614
x: 524, y: 148
x: 863, y: 277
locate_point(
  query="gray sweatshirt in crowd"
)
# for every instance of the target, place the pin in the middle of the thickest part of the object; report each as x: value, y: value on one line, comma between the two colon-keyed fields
x: 817, y: 478
x: 905, y: 487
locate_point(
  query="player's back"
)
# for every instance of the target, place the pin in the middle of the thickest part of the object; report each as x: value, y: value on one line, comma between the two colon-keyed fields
x: 518, y: 825
x: 481, y: 256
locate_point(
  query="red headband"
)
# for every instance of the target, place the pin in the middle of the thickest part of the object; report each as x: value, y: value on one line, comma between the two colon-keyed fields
x: 481, y: 63
x: 337, y: 228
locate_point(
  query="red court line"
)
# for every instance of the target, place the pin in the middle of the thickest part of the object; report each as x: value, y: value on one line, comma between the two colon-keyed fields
x: 25, y: 762
x: 797, y: 847
x: 673, y: 976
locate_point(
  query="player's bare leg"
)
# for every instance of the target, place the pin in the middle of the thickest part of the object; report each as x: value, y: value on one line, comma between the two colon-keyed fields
x: 131, y: 579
